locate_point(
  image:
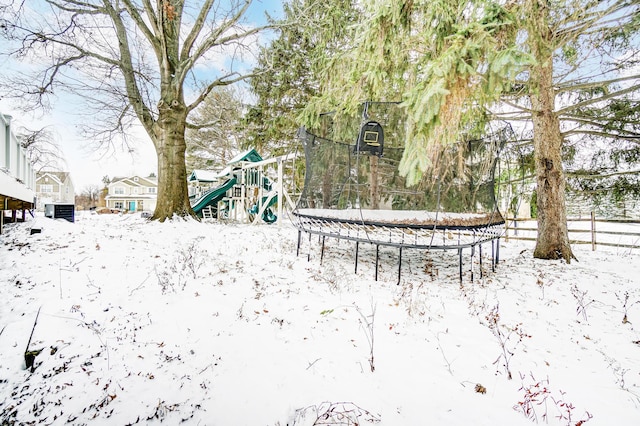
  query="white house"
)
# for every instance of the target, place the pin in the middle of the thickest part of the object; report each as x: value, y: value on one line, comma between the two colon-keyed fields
x: 133, y: 193
x: 54, y: 187
x: 17, y: 177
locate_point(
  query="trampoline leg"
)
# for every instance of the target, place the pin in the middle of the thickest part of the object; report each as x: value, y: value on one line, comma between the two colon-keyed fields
x: 377, y: 251
x: 460, y: 263
x: 497, y: 251
x: 322, y: 250
x: 298, y: 248
x: 493, y: 255
x: 357, y: 245
x: 480, y: 261
x: 309, y: 252
x: 473, y: 252
x: 399, y: 266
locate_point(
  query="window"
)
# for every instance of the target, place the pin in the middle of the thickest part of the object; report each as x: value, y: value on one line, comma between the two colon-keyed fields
x: 46, y: 188
x: 151, y: 190
x: 135, y: 190
x: 118, y: 190
x: 118, y: 204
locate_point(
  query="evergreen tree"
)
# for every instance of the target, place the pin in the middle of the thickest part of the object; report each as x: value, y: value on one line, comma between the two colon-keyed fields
x: 458, y: 63
x: 289, y: 69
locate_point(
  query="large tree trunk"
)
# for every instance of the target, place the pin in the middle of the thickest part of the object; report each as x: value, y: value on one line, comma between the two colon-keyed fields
x: 553, y: 237
x: 173, y: 193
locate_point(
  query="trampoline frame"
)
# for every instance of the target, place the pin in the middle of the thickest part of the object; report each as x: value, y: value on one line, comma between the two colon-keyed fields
x: 451, y: 237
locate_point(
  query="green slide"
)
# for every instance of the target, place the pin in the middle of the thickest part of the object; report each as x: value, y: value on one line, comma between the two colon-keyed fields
x: 212, y: 196
x: 268, y: 215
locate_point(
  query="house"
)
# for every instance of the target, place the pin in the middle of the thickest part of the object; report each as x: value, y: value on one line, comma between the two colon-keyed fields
x: 16, y: 174
x: 54, y: 188
x: 133, y: 193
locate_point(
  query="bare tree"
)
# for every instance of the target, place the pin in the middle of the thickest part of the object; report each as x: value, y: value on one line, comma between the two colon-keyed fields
x: 89, y: 197
x: 42, y: 150
x: 215, y: 137
x: 134, y: 62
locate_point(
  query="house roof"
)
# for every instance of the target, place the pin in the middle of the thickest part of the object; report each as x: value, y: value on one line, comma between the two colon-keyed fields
x: 58, y: 177
x: 147, y: 181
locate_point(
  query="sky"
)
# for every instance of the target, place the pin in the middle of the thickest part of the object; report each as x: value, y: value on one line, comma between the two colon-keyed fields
x: 140, y: 322
x: 88, y: 167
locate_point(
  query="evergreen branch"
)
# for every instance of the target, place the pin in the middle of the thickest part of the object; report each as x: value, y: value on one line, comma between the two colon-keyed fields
x: 574, y: 86
x: 520, y: 108
x: 631, y: 138
x: 593, y: 121
x: 588, y: 23
x: 581, y: 120
x: 608, y: 96
x: 584, y: 175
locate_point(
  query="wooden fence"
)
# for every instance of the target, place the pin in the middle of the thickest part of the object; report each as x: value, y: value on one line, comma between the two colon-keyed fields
x: 623, y: 233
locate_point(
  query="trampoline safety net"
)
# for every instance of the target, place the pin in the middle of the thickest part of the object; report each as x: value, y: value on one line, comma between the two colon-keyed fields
x: 353, y: 188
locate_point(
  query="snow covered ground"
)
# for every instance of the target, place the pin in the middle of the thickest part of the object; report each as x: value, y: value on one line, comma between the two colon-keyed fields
x: 222, y: 324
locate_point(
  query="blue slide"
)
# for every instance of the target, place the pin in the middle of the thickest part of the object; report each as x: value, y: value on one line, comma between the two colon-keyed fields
x: 212, y: 196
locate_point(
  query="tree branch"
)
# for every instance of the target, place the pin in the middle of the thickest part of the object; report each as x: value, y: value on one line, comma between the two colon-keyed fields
x: 222, y: 81
x: 573, y: 86
x: 126, y: 67
x: 632, y: 137
x: 602, y: 176
x: 140, y: 23
x: 195, y: 30
x: 600, y: 99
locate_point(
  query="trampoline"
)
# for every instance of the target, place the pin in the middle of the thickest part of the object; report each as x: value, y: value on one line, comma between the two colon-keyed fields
x: 353, y: 189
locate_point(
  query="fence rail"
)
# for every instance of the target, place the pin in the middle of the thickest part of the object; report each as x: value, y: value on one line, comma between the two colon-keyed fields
x: 623, y: 233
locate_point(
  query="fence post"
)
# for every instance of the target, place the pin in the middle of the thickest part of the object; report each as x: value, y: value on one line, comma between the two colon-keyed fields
x: 506, y: 229
x: 593, y: 231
